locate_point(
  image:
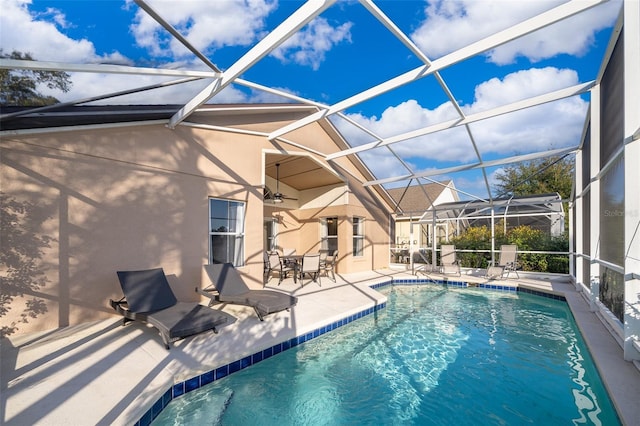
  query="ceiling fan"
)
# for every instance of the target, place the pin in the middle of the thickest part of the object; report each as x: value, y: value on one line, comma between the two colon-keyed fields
x: 279, y: 197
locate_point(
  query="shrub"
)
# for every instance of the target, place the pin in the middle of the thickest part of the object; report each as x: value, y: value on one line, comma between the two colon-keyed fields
x: 526, y: 238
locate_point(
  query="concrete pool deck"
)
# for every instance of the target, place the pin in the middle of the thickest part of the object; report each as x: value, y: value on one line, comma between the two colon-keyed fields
x: 103, y: 373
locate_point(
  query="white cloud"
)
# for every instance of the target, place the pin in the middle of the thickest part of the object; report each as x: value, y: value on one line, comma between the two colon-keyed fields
x: 406, y: 116
x: 472, y: 20
x: 42, y: 36
x: 309, y: 45
x: 212, y: 24
x: 520, y: 85
x: 554, y: 125
x: 474, y: 184
x: 22, y: 31
x: 206, y: 24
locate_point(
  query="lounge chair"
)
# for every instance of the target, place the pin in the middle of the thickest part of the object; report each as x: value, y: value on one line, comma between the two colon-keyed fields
x: 329, y: 265
x: 277, y: 265
x: 310, y: 266
x: 448, y: 260
x: 227, y: 286
x: 149, y: 298
x: 507, y: 262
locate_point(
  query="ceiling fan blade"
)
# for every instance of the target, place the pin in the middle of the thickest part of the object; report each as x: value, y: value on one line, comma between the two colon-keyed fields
x: 278, y: 197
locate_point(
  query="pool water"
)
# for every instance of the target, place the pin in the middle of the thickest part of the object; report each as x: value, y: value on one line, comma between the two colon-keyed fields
x: 435, y: 355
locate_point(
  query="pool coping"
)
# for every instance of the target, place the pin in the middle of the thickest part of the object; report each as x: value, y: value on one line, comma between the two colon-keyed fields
x: 183, y: 387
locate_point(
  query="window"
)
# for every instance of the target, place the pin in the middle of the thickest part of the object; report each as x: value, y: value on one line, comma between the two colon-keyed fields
x: 226, y: 231
x: 329, y: 233
x: 270, y: 234
x: 358, y: 236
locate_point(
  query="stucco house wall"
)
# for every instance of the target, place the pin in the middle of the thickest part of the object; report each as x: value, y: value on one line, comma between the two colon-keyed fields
x: 85, y: 203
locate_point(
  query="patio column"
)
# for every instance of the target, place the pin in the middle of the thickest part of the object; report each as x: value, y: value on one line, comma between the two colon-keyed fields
x: 576, y: 227
x: 433, y: 240
x: 493, y: 236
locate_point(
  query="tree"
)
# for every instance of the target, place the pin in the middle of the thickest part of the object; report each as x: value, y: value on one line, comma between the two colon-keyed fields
x: 20, y: 87
x: 544, y: 176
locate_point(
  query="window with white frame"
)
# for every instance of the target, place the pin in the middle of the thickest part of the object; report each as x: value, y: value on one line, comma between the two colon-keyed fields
x: 329, y: 233
x: 358, y: 236
x: 226, y: 231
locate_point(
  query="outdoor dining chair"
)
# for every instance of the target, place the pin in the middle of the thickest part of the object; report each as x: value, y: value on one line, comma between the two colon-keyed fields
x: 310, y: 266
x: 507, y: 262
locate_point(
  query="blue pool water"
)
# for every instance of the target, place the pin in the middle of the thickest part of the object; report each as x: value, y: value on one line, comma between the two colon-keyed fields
x: 435, y: 355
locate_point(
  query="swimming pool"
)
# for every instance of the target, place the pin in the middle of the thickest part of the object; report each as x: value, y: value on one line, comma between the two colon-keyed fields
x: 435, y: 355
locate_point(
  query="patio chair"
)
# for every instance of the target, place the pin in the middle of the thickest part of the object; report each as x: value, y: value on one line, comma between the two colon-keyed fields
x: 448, y: 260
x: 507, y: 262
x: 227, y: 286
x: 286, y: 254
x: 149, y: 298
x: 420, y: 263
x: 323, y: 257
x: 277, y: 265
x: 329, y: 265
x: 265, y: 262
x: 310, y: 266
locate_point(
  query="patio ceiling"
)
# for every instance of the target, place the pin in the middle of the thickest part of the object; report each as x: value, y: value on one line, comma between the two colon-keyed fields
x: 301, y: 172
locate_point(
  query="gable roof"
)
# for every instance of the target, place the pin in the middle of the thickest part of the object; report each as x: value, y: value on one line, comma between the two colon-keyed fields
x: 418, y: 198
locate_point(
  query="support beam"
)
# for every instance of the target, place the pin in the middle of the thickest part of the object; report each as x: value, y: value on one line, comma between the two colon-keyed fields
x: 101, y: 68
x: 275, y: 38
x: 543, y: 20
x: 494, y: 112
x: 499, y: 162
x: 167, y: 26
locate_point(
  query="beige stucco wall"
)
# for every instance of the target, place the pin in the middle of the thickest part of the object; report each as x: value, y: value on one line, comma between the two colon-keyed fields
x: 101, y: 200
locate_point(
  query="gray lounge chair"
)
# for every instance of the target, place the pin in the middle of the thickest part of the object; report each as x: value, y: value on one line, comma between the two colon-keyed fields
x: 507, y: 262
x: 149, y: 298
x: 227, y: 286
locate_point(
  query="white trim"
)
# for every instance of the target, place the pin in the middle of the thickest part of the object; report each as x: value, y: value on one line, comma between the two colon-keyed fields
x: 62, y: 129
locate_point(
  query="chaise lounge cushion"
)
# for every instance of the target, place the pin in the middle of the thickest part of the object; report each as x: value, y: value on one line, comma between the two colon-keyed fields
x: 146, y: 290
x: 232, y: 289
x: 149, y: 298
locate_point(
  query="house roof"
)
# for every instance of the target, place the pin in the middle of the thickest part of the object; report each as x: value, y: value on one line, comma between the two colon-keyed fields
x: 418, y: 198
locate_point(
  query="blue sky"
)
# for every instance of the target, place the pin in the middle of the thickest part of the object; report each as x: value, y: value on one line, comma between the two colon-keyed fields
x: 340, y: 53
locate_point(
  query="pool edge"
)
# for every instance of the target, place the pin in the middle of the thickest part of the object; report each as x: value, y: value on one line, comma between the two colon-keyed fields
x: 182, y: 388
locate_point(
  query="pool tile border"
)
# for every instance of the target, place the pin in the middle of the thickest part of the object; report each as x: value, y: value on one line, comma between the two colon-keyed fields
x: 197, y: 382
